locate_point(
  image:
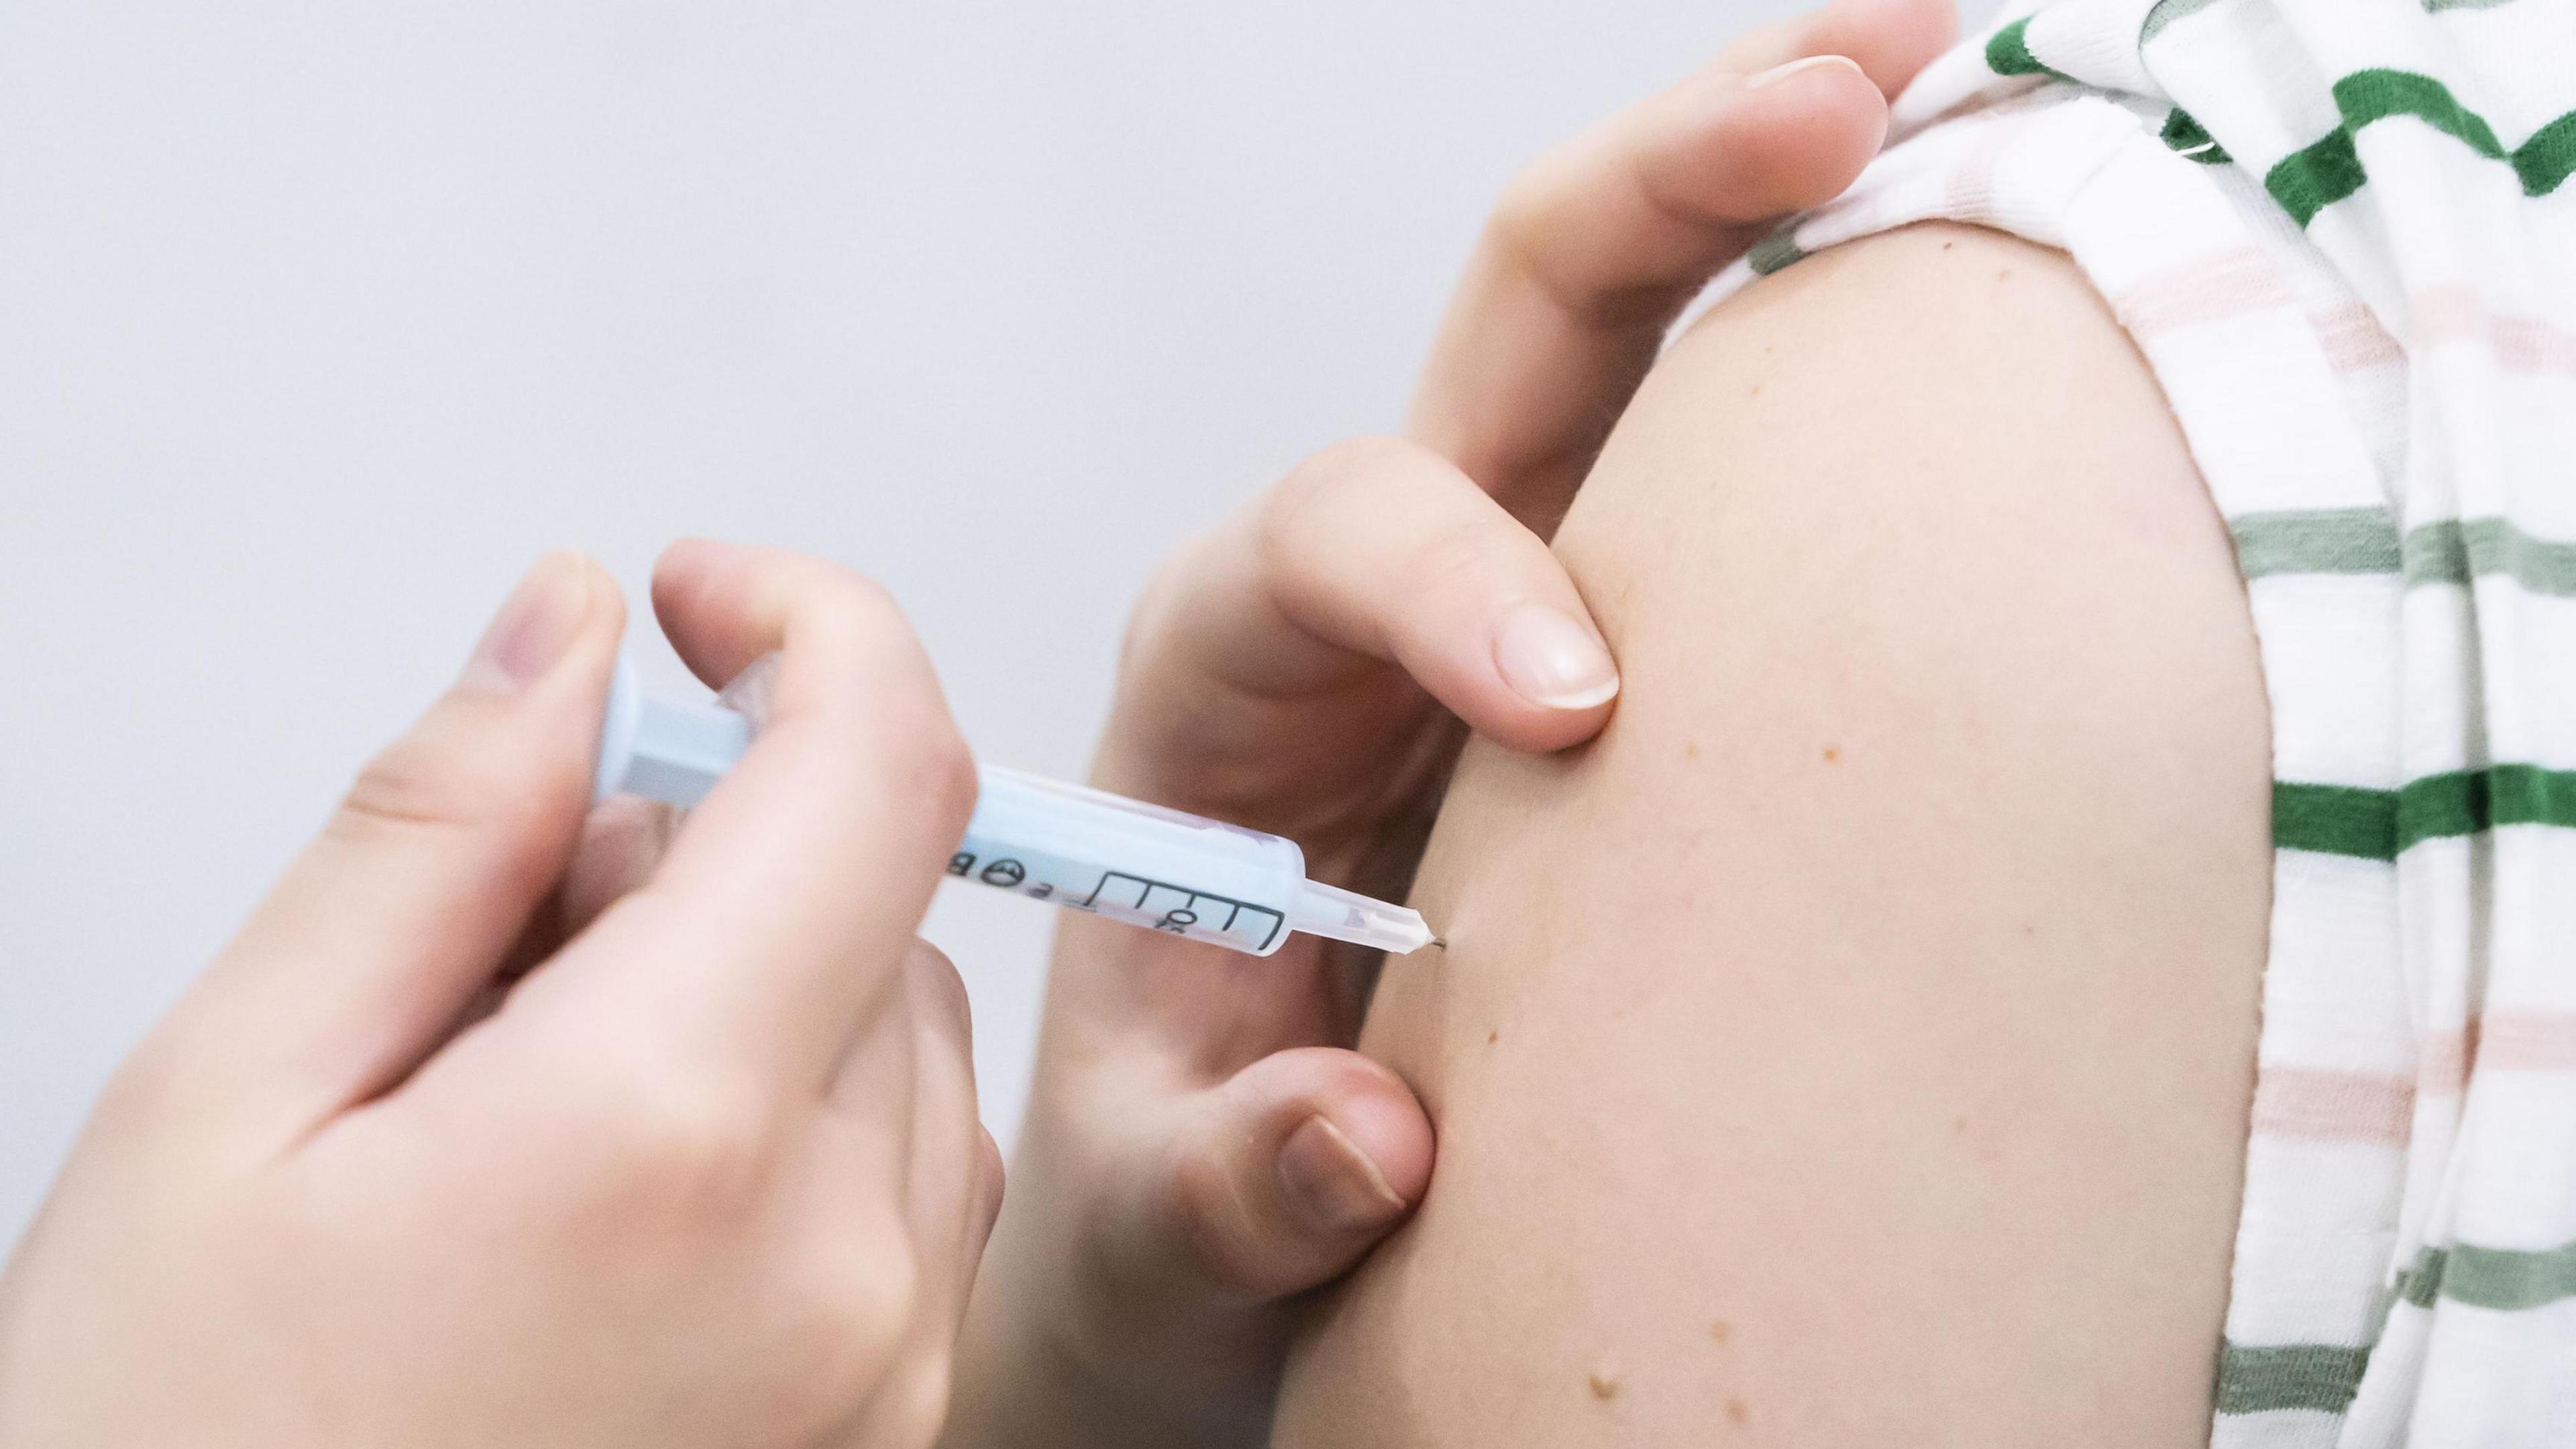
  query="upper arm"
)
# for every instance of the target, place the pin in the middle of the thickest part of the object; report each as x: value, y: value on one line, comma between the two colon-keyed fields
x: 1853, y: 1044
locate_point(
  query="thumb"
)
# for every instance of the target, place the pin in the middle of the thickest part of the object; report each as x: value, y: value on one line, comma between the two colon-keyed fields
x: 362, y: 958
x: 1285, y: 1176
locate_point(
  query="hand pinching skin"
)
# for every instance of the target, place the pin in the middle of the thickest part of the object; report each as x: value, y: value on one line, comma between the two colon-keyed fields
x: 1201, y: 1144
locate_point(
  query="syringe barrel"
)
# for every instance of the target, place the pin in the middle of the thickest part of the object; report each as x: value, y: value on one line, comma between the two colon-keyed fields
x: 1083, y: 849
x: 1092, y: 851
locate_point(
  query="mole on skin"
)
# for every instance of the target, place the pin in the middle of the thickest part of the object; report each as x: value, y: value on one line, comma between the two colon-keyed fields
x: 1605, y: 1387
x: 1736, y: 1412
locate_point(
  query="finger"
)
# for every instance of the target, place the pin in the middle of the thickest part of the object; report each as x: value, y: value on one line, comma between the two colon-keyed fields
x: 372, y: 945
x: 1382, y: 549
x: 951, y: 1183
x: 1282, y: 1178
x: 782, y: 911
x: 1597, y: 247
x: 1890, y: 40
x: 622, y: 843
x: 953, y: 1199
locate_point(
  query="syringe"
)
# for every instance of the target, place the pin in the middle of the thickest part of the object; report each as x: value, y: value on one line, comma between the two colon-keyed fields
x: 1084, y: 849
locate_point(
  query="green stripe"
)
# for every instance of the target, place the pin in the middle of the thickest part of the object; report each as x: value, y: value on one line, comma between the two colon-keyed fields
x: 2365, y: 541
x: 2316, y: 541
x: 2379, y: 824
x: 2335, y: 820
x: 2466, y: 802
x: 2546, y: 159
x: 2503, y: 1278
x: 2374, y: 95
x: 1775, y: 251
x: 2327, y: 170
x: 2316, y: 176
x: 2455, y: 552
x: 2192, y: 140
x: 2166, y: 13
x: 2008, y: 53
x: 2254, y: 1379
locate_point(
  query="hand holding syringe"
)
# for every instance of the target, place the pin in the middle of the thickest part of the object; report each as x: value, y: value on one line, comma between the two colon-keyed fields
x: 1084, y: 849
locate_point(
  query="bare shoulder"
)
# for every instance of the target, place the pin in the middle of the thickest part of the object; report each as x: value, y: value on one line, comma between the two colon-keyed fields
x: 1854, y: 1043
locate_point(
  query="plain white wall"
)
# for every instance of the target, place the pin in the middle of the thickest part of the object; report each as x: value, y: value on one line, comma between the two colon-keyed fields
x: 318, y: 321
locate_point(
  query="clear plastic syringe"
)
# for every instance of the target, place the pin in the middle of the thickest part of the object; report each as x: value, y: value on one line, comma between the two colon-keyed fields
x: 1084, y: 849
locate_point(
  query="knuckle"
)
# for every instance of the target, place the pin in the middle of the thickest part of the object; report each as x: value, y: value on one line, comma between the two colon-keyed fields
x: 1174, y: 587
x: 992, y: 1182
x: 1315, y: 488
x: 846, y: 1311
x: 1209, y: 1223
x: 847, y: 606
x: 1530, y: 210
x: 675, y: 1152
x: 1530, y: 232
x: 146, y: 1089
x: 943, y: 990
x: 929, y: 758
x: 417, y: 783
x: 1467, y: 549
x: 1523, y: 206
x: 865, y: 601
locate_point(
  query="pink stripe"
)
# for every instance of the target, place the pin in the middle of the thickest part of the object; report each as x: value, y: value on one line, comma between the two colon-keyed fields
x: 2353, y: 339
x: 1970, y: 190
x: 2442, y: 1065
x: 2454, y: 314
x: 2209, y: 289
x: 2334, y: 1106
x: 2242, y: 282
x: 2502, y: 1041
x: 2528, y: 1041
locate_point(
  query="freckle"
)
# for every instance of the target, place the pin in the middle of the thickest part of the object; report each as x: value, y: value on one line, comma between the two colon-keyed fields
x: 1754, y: 391
x: 1736, y: 1412
x: 1958, y: 1124
x: 2003, y: 274
x: 1833, y: 753
x: 1605, y: 1387
x: 1493, y: 1036
x: 1720, y: 1331
x: 1690, y: 749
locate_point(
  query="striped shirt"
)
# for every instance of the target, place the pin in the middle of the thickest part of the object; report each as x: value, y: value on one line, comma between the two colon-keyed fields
x: 2343, y: 236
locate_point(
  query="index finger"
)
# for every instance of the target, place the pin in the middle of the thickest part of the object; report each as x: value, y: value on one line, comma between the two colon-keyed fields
x: 1599, y: 245
x: 779, y: 920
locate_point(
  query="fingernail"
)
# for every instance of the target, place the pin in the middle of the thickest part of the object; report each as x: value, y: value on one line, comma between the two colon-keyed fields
x: 535, y: 625
x: 1332, y: 1183
x: 1779, y: 73
x: 1552, y: 661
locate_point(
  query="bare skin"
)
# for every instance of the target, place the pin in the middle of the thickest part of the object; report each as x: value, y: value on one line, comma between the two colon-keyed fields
x: 1853, y: 1043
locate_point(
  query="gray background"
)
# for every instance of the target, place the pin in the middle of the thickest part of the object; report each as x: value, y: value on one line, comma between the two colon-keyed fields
x: 318, y: 321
